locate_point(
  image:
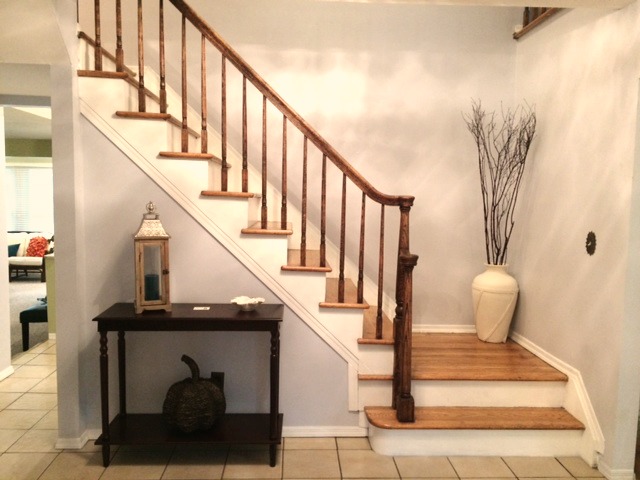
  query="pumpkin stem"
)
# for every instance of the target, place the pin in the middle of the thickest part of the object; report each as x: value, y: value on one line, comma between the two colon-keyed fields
x: 193, y: 366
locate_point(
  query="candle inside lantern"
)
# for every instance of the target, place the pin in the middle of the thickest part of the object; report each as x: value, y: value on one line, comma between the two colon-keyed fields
x: 151, y: 286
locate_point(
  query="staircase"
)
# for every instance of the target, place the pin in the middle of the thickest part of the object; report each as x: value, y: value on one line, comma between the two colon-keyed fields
x: 472, y: 398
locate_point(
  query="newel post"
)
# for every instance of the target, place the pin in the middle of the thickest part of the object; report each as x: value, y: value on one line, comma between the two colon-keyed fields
x: 404, y: 403
x: 402, y: 400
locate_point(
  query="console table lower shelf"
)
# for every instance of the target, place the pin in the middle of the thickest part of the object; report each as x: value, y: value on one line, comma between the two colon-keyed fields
x: 232, y: 428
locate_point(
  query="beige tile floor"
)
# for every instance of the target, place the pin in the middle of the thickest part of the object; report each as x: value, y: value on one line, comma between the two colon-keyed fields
x: 28, y: 429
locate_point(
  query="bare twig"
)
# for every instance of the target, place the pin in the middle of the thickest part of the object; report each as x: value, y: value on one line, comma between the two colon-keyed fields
x: 502, y: 154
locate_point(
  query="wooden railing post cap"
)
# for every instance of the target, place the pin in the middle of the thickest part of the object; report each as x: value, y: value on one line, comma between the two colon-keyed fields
x: 406, y: 201
x: 409, y: 259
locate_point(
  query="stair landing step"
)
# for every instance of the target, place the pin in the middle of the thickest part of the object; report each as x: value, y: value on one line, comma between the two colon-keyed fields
x: 477, y: 418
x: 332, y: 299
x: 461, y: 356
x: 271, y: 228
x: 311, y: 264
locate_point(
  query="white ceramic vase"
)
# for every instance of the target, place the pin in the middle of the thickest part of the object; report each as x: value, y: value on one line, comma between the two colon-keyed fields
x: 495, y: 294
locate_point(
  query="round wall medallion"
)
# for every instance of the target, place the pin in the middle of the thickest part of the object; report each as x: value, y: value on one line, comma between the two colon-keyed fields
x: 591, y: 243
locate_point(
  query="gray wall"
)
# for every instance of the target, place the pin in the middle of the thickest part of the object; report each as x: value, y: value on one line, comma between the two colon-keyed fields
x: 581, y: 71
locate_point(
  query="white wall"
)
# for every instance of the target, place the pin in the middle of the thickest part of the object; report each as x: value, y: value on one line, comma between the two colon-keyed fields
x: 581, y: 71
x: 386, y: 84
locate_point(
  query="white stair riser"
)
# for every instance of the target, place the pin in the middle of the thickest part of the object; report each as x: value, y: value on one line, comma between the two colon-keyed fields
x: 375, y: 359
x: 476, y: 442
x: 468, y: 394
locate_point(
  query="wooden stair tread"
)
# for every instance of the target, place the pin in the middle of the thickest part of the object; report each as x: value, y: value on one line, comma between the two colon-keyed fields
x: 312, y: 262
x: 441, y: 356
x: 271, y: 228
x: 215, y: 193
x: 477, y: 418
x: 143, y: 115
x: 190, y: 156
x: 350, y: 295
x: 102, y: 74
x: 369, y: 328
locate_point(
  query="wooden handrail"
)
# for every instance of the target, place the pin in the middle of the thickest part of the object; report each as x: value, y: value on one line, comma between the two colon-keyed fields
x: 308, y: 131
x: 532, y: 17
x: 405, y: 261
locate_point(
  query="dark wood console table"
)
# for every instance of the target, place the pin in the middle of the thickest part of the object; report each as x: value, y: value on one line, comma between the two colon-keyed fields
x: 138, y: 429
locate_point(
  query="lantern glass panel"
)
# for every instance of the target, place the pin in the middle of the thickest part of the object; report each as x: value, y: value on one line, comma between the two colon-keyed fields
x: 152, y: 256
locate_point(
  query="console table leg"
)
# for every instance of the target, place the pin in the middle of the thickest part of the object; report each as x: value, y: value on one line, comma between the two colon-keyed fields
x: 104, y: 398
x: 122, y: 376
x: 273, y: 450
x: 274, y: 375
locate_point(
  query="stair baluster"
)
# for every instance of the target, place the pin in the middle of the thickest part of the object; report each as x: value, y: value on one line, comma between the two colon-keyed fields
x: 360, y: 292
x: 245, y: 150
x: 379, y: 318
x: 323, y: 214
x: 184, y: 137
x: 163, y: 68
x: 223, y: 125
x: 97, y: 49
x: 119, y: 50
x: 343, y: 232
x: 204, y: 137
x: 142, y: 97
x: 263, y: 210
x: 303, y: 227
x: 283, y: 207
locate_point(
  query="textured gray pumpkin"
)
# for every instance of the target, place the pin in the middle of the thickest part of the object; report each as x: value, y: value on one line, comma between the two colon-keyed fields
x: 194, y: 403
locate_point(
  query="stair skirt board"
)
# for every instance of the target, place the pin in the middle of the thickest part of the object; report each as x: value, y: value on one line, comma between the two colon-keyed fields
x: 476, y: 442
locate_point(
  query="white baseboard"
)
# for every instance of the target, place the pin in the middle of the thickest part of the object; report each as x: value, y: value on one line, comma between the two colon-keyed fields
x: 328, y: 431
x: 52, y: 336
x: 443, y: 328
x: 615, y: 474
x: 75, y: 443
x: 6, y: 372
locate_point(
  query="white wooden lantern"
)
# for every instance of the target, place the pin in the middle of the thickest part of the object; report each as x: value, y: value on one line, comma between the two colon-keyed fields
x: 152, y: 263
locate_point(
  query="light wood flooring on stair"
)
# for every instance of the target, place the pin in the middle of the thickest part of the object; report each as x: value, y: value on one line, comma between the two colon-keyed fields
x: 461, y: 356
x: 477, y: 418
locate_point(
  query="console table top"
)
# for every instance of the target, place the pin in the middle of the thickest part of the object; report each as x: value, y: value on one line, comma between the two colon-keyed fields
x: 190, y: 316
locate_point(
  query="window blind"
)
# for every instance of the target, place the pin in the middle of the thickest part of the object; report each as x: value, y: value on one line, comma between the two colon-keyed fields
x: 29, y: 198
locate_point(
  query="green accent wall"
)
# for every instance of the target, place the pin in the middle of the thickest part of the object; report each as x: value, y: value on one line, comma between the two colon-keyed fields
x: 23, y: 147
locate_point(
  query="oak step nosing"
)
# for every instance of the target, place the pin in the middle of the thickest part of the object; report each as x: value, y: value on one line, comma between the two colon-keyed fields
x: 221, y: 194
x: 375, y: 341
x: 353, y: 306
x: 190, y: 156
x: 272, y: 228
x: 143, y: 115
x: 477, y: 418
x: 102, y: 74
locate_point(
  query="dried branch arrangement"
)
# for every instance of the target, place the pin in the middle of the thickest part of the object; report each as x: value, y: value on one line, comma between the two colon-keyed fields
x: 502, y: 153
